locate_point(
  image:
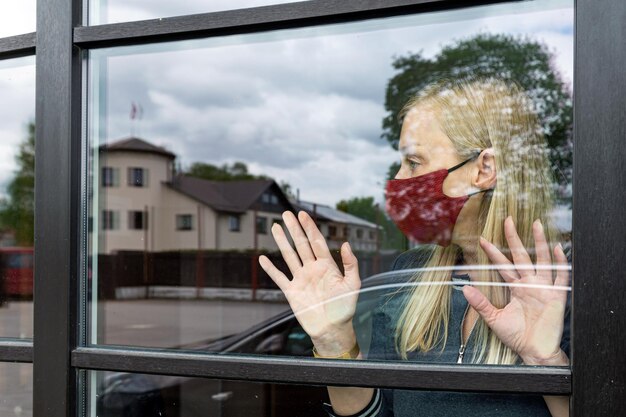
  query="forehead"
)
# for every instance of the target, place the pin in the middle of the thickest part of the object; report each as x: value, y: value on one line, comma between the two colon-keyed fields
x: 421, y: 131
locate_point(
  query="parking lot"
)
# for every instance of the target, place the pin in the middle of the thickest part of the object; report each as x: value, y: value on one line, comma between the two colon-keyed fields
x: 151, y: 323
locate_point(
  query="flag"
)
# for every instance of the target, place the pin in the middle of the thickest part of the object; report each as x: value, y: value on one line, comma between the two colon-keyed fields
x: 133, y: 110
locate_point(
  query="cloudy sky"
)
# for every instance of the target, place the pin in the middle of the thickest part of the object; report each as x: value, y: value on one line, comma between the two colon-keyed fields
x: 304, y: 106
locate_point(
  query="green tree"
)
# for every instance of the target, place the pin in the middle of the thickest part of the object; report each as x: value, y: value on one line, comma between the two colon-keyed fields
x: 527, y: 62
x: 233, y: 172
x: 17, y: 210
x: 237, y: 171
x: 367, y: 209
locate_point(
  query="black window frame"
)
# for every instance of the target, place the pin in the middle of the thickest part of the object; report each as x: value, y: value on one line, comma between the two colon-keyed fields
x: 260, y: 225
x: 135, y: 217
x: 59, y: 354
x: 109, y: 176
x: 234, y: 223
x: 182, y: 225
x: 110, y: 220
x: 132, y: 180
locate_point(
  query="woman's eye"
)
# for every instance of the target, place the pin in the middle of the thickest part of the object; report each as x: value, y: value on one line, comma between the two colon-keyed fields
x: 413, y: 164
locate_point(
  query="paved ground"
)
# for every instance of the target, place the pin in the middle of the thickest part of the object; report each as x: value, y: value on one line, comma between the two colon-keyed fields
x: 153, y: 323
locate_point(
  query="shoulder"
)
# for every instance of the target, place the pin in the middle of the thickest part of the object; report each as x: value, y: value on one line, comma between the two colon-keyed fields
x: 413, y: 258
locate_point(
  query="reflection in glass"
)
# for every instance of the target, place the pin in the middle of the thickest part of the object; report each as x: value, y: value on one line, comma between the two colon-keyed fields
x: 115, y: 11
x: 17, y: 17
x: 16, y: 390
x: 17, y: 180
x: 129, y: 395
x: 199, y: 148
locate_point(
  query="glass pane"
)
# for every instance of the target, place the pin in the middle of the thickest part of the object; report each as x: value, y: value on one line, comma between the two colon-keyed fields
x: 130, y: 395
x: 17, y: 17
x: 222, y: 140
x: 16, y: 390
x: 115, y: 11
x: 17, y: 128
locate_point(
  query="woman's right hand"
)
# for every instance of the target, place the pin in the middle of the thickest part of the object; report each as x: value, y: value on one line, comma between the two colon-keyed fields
x: 321, y: 297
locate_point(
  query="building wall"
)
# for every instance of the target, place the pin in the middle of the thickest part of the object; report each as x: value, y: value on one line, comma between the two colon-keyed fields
x: 244, y: 238
x: 210, y: 230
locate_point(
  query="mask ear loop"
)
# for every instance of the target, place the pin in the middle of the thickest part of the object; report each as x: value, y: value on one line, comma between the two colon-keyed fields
x: 457, y: 166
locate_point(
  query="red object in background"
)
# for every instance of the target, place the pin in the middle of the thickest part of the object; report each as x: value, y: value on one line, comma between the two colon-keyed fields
x: 16, y: 272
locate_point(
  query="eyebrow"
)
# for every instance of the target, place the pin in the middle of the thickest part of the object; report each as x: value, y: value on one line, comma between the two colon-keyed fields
x: 406, y: 149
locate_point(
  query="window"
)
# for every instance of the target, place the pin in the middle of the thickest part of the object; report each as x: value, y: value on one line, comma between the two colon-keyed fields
x: 110, y: 177
x: 234, y: 223
x: 274, y: 199
x: 110, y: 220
x: 184, y: 222
x: 261, y: 225
x: 372, y: 235
x: 137, y: 177
x: 359, y: 233
x: 327, y: 93
x: 137, y: 220
x: 266, y: 197
x: 332, y: 231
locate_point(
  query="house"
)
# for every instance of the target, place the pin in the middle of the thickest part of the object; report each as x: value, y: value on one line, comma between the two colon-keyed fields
x: 338, y: 227
x: 144, y: 205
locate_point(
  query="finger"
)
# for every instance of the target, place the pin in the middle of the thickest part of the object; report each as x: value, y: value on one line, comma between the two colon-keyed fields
x: 299, y: 238
x: 290, y: 256
x: 518, y: 252
x: 277, y: 276
x: 542, y: 252
x: 562, y: 274
x: 479, y: 302
x: 316, y: 239
x: 350, y: 265
x: 509, y: 274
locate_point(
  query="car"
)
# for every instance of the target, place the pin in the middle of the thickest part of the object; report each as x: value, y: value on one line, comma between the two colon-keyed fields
x: 123, y: 394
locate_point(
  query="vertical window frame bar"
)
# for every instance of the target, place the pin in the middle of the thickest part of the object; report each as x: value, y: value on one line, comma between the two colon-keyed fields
x: 598, y: 349
x: 58, y: 198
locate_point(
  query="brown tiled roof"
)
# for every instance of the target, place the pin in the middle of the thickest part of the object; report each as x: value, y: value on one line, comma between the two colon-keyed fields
x: 230, y: 196
x: 134, y: 144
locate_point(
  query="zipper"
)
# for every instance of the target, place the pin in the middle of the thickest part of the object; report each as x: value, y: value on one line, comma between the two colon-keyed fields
x: 463, y: 345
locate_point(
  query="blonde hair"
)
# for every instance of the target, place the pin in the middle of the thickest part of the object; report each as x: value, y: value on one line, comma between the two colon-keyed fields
x: 477, y: 115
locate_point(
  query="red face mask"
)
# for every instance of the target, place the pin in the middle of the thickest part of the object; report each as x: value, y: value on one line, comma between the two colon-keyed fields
x: 421, y: 210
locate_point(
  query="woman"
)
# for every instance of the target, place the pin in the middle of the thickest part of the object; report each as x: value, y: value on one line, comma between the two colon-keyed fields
x: 474, y: 180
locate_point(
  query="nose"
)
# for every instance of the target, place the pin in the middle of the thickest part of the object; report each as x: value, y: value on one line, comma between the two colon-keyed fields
x: 401, y: 174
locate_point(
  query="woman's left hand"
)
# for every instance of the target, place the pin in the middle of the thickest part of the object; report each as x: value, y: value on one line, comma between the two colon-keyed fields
x: 532, y: 322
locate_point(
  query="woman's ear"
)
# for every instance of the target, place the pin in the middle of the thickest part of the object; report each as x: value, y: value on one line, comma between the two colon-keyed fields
x: 486, y: 173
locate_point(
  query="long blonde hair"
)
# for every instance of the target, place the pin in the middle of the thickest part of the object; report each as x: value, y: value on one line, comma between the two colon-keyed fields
x: 481, y: 114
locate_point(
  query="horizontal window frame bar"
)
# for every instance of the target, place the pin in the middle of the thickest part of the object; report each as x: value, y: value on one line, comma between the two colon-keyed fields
x: 20, y: 351
x: 256, y: 19
x: 18, y: 46
x: 273, y: 369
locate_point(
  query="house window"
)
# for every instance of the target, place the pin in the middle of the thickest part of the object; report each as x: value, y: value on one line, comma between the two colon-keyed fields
x: 137, y: 220
x: 346, y: 231
x: 274, y: 199
x: 372, y: 235
x: 110, y: 177
x: 332, y: 231
x: 261, y: 225
x: 265, y: 198
x: 234, y: 223
x: 137, y: 177
x: 359, y: 233
x: 110, y: 220
x: 184, y: 222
